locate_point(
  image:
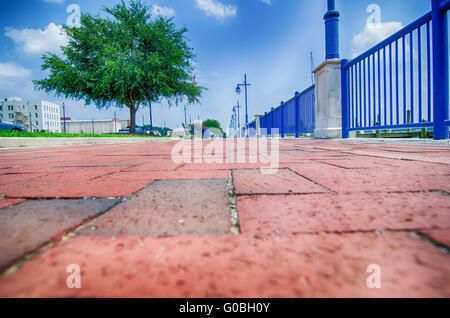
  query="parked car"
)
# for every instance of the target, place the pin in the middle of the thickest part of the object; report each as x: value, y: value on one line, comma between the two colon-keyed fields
x: 154, y: 133
x: 11, y: 127
x: 138, y: 130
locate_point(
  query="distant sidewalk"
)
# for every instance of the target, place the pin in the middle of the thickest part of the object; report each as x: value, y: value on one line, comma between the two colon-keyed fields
x: 51, y: 142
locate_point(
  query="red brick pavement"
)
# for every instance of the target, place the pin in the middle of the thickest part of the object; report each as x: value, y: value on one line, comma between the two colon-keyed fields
x: 311, y: 230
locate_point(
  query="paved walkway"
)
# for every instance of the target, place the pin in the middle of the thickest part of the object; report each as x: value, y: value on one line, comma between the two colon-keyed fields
x: 139, y: 225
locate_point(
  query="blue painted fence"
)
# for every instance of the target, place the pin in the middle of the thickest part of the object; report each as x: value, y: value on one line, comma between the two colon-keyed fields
x: 294, y: 117
x: 402, y: 82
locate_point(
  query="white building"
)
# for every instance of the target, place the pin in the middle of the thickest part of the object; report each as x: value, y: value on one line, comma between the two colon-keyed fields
x: 32, y: 115
x: 97, y: 127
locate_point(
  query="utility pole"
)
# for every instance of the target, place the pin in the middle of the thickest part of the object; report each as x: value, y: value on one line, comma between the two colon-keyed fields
x: 312, y: 69
x: 151, y: 119
x: 238, y: 118
x: 93, y: 131
x: 185, y: 116
x: 238, y: 91
x: 64, y: 116
x: 115, y: 123
x: 31, y: 124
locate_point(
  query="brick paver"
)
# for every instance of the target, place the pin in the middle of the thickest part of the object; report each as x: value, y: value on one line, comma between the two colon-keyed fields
x: 4, y: 203
x: 168, y: 208
x: 245, y: 266
x: 283, y: 182
x: 310, y: 230
x: 27, y: 226
x: 344, y: 213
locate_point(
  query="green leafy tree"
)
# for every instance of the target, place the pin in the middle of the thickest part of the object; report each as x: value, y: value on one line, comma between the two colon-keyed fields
x: 125, y: 58
x: 212, y: 123
x: 161, y: 130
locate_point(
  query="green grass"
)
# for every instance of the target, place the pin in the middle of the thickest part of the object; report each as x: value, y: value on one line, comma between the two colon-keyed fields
x: 62, y: 135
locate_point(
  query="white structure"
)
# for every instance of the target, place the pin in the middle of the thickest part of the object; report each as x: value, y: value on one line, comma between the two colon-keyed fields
x: 32, y: 115
x: 328, y: 100
x: 107, y: 126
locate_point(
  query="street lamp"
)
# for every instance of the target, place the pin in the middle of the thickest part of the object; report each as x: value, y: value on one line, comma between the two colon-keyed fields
x: 64, y: 116
x: 237, y: 109
x: 115, y: 123
x: 238, y: 91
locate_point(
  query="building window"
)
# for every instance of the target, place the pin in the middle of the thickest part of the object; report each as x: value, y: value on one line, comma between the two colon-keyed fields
x: 35, y: 107
x: 1, y: 116
x: 11, y: 115
x: 37, y: 123
x: 36, y: 115
x: 1, y: 107
x: 10, y: 107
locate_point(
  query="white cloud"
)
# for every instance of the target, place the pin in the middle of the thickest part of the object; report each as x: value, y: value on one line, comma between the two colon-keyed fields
x: 11, y: 70
x: 14, y: 80
x: 163, y: 11
x: 54, y: 1
x: 38, y: 41
x: 266, y: 1
x: 374, y: 31
x: 216, y: 9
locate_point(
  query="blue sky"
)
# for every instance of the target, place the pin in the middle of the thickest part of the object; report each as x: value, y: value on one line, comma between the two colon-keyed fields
x: 270, y: 40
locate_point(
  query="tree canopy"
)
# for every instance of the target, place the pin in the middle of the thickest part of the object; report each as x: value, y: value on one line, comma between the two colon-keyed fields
x: 212, y: 123
x: 126, y: 58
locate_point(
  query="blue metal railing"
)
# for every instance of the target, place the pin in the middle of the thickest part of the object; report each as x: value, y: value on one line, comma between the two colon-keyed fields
x: 294, y: 117
x: 401, y: 82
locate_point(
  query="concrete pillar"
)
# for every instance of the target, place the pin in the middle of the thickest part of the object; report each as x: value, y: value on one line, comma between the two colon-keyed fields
x: 258, y: 125
x: 328, y: 100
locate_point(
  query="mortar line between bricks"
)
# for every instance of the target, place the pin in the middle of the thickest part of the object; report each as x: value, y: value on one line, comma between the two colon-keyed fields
x: 280, y: 194
x: 415, y: 232
x: 75, y: 198
x: 401, y: 159
x: 59, y: 198
x: 182, y: 165
x: 235, y: 224
x: 333, y: 165
x: 442, y: 192
x: 64, y: 235
x: 105, y: 175
x: 311, y: 180
x: 428, y: 239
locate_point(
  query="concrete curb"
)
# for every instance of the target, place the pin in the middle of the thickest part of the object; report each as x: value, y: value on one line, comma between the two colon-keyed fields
x: 49, y: 142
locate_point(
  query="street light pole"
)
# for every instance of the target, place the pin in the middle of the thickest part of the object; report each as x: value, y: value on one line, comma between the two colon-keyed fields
x: 238, y: 118
x: 115, y: 123
x: 238, y: 91
x: 246, y: 110
x: 64, y: 116
x: 31, y: 123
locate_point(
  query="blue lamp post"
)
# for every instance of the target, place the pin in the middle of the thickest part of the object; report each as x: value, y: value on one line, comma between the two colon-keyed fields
x: 331, y: 31
x: 233, y: 117
x: 238, y: 91
x: 237, y: 109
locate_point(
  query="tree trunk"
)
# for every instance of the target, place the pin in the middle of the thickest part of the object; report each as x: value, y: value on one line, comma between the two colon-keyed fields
x: 132, y: 119
x: 151, y: 119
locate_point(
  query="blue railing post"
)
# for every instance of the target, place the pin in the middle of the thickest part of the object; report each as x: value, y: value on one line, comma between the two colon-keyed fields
x: 297, y: 115
x: 266, y: 125
x: 272, y: 117
x: 282, y: 120
x: 440, y: 70
x: 331, y: 31
x: 345, y: 99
